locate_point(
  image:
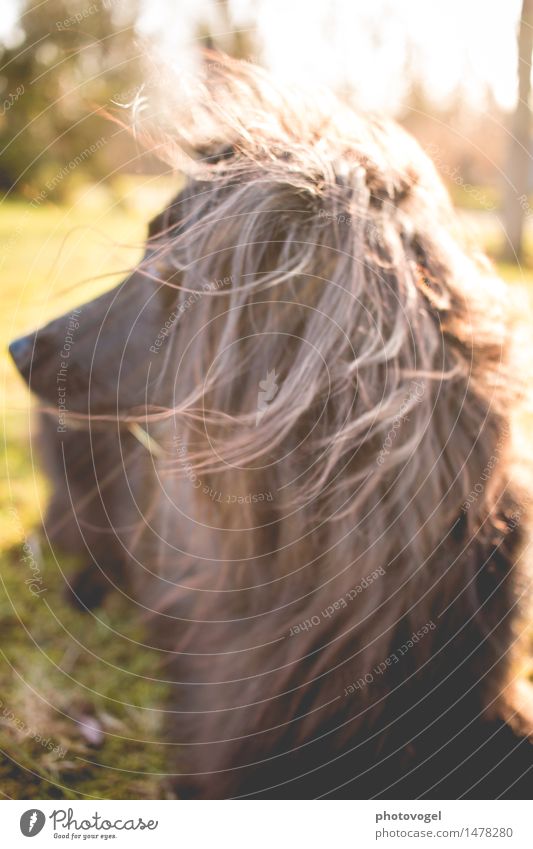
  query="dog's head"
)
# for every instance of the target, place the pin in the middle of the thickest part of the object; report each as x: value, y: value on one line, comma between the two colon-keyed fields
x: 96, y: 355
x: 308, y: 319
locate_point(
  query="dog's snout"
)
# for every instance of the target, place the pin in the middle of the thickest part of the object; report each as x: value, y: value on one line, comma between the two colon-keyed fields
x: 22, y: 352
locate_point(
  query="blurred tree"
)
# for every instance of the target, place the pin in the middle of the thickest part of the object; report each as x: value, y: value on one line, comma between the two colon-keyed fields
x: 518, y: 162
x: 218, y: 29
x: 72, y: 57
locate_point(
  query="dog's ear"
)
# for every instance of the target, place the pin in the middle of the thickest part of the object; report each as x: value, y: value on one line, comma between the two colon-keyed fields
x: 168, y: 223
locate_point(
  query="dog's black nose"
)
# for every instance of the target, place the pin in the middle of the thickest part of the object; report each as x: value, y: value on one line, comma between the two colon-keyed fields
x: 21, y: 350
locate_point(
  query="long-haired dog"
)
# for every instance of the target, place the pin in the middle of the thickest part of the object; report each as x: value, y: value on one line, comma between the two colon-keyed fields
x: 285, y: 438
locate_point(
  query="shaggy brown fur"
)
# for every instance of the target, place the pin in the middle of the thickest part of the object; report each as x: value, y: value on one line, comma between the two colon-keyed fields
x: 288, y: 444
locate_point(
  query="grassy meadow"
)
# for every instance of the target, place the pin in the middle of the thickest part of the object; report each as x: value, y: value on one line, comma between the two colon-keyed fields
x: 77, y: 704
x: 76, y: 709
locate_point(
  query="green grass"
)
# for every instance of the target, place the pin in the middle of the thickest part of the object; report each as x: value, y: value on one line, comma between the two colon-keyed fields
x: 58, y: 670
x: 58, y: 667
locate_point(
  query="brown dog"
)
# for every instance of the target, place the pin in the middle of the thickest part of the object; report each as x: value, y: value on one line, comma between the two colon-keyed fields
x: 285, y: 437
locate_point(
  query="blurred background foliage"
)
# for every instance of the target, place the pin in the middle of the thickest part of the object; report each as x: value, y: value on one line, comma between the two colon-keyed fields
x: 454, y: 83
x: 68, y: 61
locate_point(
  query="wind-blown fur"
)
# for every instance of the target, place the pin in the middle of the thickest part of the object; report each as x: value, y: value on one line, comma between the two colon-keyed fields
x: 331, y: 567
